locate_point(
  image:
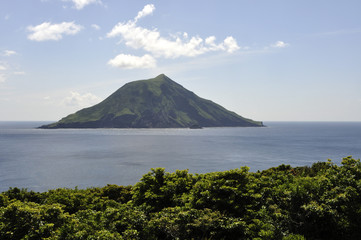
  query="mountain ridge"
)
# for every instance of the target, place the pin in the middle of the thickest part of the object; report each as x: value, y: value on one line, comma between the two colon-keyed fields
x: 158, y: 102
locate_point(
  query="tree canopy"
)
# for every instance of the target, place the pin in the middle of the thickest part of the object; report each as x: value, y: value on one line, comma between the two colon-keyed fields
x: 322, y: 201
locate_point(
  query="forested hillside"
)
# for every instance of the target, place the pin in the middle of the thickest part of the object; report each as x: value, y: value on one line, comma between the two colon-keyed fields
x: 154, y: 103
x: 322, y: 201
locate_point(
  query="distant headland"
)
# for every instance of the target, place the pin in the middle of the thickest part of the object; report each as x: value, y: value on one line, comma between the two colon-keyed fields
x: 154, y: 103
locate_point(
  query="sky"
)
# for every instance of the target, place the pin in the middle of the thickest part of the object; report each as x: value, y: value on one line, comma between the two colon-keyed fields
x: 268, y: 60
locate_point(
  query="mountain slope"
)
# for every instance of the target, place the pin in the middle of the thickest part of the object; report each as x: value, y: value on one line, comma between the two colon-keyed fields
x: 153, y: 103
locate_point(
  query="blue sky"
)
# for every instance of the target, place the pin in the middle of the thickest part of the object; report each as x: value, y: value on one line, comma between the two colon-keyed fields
x: 266, y: 60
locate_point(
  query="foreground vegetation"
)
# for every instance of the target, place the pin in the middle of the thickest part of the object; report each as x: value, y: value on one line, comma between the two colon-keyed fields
x: 318, y: 202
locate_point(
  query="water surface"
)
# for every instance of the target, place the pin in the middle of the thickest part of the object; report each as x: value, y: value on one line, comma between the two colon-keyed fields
x: 42, y: 159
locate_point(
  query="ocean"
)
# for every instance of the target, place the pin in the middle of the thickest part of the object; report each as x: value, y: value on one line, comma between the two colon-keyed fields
x: 42, y: 159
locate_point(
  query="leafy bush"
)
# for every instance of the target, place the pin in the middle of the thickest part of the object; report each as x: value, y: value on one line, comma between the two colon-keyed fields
x: 318, y: 202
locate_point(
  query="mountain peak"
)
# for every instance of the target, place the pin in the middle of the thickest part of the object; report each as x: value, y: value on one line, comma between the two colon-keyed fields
x: 161, y: 77
x: 154, y: 103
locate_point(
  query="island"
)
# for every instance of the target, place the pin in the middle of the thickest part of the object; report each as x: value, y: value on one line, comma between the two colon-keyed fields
x: 153, y: 103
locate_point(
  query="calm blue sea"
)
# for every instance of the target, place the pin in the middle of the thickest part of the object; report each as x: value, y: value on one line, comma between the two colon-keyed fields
x: 39, y: 159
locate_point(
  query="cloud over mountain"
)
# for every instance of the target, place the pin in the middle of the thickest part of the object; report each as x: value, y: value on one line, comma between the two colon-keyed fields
x: 130, y: 61
x: 81, y: 100
x: 175, y: 46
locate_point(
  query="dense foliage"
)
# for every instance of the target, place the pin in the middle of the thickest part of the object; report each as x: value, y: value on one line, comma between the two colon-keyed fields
x: 318, y: 202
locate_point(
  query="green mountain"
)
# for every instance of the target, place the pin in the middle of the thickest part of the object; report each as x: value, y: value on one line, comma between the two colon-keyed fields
x: 154, y: 103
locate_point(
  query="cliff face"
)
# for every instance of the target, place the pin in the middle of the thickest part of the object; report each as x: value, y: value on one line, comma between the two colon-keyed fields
x: 154, y: 103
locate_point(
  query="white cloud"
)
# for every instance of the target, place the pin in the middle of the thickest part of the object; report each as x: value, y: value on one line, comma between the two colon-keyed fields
x: 230, y: 44
x: 209, y: 40
x: 131, y: 62
x: 178, y: 45
x: 80, y: 4
x: 280, y: 44
x: 151, y: 41
x: 2, y: 78
x: 2, y: 68
x: 78, y: 100
x: 148, y: 9
x: 47, y: 31
x: 95, y: 26
x: 8, y: 53
x: 19, y: 73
